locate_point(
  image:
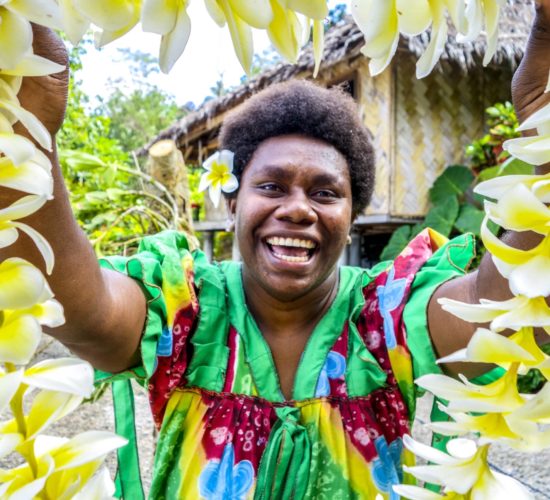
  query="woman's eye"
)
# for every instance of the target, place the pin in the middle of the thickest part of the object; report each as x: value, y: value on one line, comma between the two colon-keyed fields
x: 269, y: 187
x: 324, y: 193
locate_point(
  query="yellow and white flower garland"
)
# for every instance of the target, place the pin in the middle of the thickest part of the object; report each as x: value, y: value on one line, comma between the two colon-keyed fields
x: 59, y: 467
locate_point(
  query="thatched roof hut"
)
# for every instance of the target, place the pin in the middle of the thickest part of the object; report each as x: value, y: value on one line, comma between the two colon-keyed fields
x: 418, y: 126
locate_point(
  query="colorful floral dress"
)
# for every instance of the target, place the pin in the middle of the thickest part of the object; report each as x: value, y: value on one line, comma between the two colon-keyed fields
x: 227, y: 432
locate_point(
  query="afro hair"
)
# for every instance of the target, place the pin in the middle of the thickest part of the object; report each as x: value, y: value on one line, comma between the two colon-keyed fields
x: 301, y: 107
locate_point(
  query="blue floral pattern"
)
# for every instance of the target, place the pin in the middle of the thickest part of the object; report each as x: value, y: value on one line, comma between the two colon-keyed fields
x: 334, y: 368
x: 386, y: 469
x: 225, y: 480
x: 165, y: 344
x: 390, y: 296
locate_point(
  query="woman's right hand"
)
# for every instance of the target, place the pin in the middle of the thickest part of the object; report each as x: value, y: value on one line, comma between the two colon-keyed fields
x: 46, y: 96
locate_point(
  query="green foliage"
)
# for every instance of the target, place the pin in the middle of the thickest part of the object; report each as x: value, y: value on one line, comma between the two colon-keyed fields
x: 455, y: 208
x: 487, y: 152
x: 136, y: 116
x: 115, y: 204
x: 114, y: 201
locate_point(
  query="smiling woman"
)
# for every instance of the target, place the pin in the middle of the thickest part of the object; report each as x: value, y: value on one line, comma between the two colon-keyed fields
x: 288, y: 376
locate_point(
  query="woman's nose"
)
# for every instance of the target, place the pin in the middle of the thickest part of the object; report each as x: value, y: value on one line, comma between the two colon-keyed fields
x: 297, y: 208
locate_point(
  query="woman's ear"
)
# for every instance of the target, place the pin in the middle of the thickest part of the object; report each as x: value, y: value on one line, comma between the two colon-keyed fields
x: 231, y: 205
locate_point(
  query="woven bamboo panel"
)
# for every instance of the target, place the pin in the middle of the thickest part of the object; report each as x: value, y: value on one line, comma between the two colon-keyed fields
x: 374, y: 97
x: 435, y: 119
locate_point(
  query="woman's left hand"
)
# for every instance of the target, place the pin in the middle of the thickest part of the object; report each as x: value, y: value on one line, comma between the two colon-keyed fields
x: 531, y: 79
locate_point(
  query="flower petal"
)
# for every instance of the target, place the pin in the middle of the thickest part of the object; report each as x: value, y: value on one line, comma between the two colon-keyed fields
x: 533, y: 150
x: 204, y: 182
x: 216, y: 13
x: 256, y: 13
x: 49, y: 407
x: 28, y: 177
x: 427, y: 452
x: 15, y: 38
x: 110, y: 15
x: 499, y: 396
x: 215, y: 193
x: 499, y: 186
x: 86, y: 447
x: 378, y: 22
x: 415, y: 16
x: 101, y: 486
x: 241, y: 35
x: 8, y: 236
x: 17, y: 148
x: 417, y: 493
x: 173, y: 44
x: 48, y: 313
x: 9, y: 384
x: 22, y: 284
x: 74, y: 24
x: 19, y: 340
x: 70, y: 375
x: 284, y: 32
x: 540, y: 117
x: 435, y: 48
x: 486, y: 346
x: 314, y: 9
x: 44, y: 12
x: 318, y: 45
x: 159, y: 16
x: 21, y: 208
x: 520, y: 210
x: 231, y: 184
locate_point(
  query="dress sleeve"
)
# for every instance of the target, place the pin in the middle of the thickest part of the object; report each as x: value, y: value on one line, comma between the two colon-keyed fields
x: 163, y: 268
x: 449, y: 261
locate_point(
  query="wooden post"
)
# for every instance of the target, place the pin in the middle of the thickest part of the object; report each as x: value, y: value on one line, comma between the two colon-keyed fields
x: 166, y: 165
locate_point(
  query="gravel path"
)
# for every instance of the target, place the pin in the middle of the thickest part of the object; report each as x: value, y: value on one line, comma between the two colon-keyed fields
x: 531, y: 470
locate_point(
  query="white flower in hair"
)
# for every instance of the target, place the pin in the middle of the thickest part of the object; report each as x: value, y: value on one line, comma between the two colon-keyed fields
x: 219, y: 175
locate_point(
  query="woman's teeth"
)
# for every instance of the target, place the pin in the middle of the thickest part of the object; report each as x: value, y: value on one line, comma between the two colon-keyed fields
x: 291, y: 249
x: 291, y: 242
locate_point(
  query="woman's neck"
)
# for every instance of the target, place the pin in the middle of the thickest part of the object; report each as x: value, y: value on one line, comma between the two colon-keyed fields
x: 285, y: 317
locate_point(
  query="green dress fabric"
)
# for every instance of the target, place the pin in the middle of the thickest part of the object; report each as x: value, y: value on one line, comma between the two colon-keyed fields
x: 227, y: 432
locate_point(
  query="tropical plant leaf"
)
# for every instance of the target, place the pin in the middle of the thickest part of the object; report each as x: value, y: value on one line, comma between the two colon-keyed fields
x: 512, y: 166
x: 442, y: 217
x: 398, y: 241
x: 469, y: 219
x: 454, y: 181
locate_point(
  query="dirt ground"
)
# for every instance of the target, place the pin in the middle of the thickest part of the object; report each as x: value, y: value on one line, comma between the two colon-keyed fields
x: 531, y: 470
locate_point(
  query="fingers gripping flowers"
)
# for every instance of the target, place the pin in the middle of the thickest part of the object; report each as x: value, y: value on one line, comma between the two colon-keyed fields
x: 219, y: 176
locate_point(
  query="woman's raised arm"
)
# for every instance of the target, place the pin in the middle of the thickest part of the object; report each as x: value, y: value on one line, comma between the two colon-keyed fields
x: 105, y: 311
x: 449, y: 333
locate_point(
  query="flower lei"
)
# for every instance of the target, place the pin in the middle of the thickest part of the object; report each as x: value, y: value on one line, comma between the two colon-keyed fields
x: 56, y: 467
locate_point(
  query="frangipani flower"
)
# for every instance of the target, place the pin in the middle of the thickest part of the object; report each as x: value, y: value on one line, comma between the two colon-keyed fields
x: 13, y: 112
x: 500, y: 396
x: 23, y: 285
x: 64, y: 466
x: 218, y: 176
x: 418, y: 493
x: 528, y: 271
x: 241, y: 34
x: 33, y: 176
x: 114, y: 17
x: 520, y: 210
x: 9, y: 229
x: 479, y: 13
x: 534, y: 150
x: 491, y: 427
x: 486, y: 346
x: 516, y: 313
x: 75, y: 24
x: 464, y: 471
x: 285, y: 31
x: 168, y: 18
x: 16, y: 32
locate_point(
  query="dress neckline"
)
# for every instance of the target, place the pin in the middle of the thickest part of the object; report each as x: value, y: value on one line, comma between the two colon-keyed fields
x: 313, y: 358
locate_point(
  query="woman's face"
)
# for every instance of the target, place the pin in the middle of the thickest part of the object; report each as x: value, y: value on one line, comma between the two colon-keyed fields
x: 292, y: 215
